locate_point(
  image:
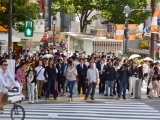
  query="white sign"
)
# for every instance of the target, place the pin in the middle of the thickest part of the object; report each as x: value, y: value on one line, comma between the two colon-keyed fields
x: 39, y: 26
x: 154, y: 21
x: 119, y: 32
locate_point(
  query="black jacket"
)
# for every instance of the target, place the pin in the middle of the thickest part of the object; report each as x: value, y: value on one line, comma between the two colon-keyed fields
x: 82, y: 73
x: 121, y: 72
x: 60, y: 69
x: 50, y: 73
x: 110, y: 73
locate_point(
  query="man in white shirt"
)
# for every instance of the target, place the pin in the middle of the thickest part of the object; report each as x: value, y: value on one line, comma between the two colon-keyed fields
x: 4, y: 83
x: 40, y: 78
x: 93, y: 77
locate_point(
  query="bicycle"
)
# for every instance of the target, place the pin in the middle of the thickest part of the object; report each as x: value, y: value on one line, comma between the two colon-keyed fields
x: 17, y: 111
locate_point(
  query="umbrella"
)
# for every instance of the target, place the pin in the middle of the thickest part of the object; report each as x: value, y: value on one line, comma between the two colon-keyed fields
x: 48, y: 56
x: 148, y: 59
x: 134, y: 56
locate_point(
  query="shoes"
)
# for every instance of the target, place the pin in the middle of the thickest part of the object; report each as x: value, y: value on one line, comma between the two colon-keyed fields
x: 105, y: 94
x: 124, y: 99
x: 149, y: 97
x: 112, y: 95
x: 39, y: 97
x: 92, y: 98
x: 47, y: 98
x: 85, y: 98
x: 55, y: 98
x: 70, y: 99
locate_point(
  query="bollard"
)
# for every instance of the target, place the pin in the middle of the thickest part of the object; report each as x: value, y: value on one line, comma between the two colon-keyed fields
x: 137, y: 89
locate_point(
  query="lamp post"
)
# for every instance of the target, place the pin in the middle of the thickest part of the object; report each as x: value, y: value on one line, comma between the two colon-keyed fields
x: 54, y: 20
x: 10, y: 30
x: 127, y: 11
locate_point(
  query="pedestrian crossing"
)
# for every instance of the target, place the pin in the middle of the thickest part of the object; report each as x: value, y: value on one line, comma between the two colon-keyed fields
x: 110, y: 110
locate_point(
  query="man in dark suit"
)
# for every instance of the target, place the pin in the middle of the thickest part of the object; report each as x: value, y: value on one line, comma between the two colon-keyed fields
x: 60, y: 75
x: 82, y: 74
x: 51, y: 77
x: 101, y: 67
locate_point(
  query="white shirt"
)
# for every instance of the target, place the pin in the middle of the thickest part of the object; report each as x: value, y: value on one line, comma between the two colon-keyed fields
x: 102, y: 66
x: 86, y: 63
x: 4, y: 81
x: 145, y: 68
x: 92, y: 75
x: 41, y: 74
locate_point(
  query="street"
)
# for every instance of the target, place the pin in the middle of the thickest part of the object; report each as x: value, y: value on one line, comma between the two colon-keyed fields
x: 100, y: 109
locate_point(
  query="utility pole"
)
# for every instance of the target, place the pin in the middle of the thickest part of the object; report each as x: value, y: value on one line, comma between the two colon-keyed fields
x: 153, y: 7
x: 49, y: 14
x: 10, y: 30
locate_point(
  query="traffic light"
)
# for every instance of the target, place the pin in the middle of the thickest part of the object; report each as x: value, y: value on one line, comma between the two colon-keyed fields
x: 28, y: 31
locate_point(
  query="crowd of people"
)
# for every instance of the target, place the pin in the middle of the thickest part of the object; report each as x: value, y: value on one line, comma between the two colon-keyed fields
x: 41, y: 76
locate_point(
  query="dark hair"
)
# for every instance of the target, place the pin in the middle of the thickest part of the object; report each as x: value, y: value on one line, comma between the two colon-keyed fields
x: 34, y: 71
x: 2, y: 61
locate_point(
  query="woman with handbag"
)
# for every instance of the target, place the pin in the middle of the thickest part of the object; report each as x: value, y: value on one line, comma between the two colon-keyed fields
x: 31, y: 83
x: 72, y: 73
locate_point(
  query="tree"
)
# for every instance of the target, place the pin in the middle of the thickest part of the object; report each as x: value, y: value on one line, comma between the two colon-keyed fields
x: 113, y: 10
x: 82, y: 8
x: 22, y: 10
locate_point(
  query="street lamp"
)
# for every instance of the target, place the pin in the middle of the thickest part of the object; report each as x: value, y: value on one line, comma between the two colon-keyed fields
x: 54, y: 20
x: 127, y: 11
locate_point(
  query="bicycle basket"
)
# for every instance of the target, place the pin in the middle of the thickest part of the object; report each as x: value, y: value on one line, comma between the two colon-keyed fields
x: 14, y: 97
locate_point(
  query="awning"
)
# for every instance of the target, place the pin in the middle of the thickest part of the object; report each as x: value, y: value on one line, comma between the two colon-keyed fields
x: 36, y: 36
x: 4, y: 38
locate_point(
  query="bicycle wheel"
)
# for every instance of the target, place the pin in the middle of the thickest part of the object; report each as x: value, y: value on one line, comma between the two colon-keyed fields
x: 17, y: 113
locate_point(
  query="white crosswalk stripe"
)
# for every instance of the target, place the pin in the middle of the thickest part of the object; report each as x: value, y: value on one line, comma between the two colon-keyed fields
x: 110, y: 110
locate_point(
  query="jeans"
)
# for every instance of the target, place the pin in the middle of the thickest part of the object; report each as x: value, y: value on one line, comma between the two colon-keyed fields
x: 93, y: 87
x: 71, y: 85
x: 109, y: 83
x: 31, y: 88
x: 65, y: 85
x: 123, y: 87
x: 51, y: 87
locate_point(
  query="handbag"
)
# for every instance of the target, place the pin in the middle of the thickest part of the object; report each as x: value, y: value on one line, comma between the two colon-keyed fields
x: 150, y: 86
x: 35, y: 77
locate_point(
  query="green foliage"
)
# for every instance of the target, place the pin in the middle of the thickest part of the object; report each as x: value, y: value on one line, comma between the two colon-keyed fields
x: 22, y: 10
x: 82, y: 8
x: 113, y: 10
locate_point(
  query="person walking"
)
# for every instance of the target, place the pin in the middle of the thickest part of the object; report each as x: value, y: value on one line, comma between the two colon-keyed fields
x: 72, y: 73
x: 82, y: 75
x: 124, y: 78
x: 110, y: 75
x: 93, y: 77
x: 50, y: 74
x: 60, y: 76
x: 40, y: 79
x: 101, y: 67
x: 31, y: 83
x: 132, y: 79
x: 21, y: 77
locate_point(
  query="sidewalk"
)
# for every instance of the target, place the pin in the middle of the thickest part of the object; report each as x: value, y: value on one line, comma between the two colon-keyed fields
x: 98, y: 97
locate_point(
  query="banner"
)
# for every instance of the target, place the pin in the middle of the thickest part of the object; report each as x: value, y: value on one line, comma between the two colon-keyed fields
x: 39, y: 26
x: 46, y: 14
x: 119, y: 32
x: 154, y: 22
x: 132, y: 29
